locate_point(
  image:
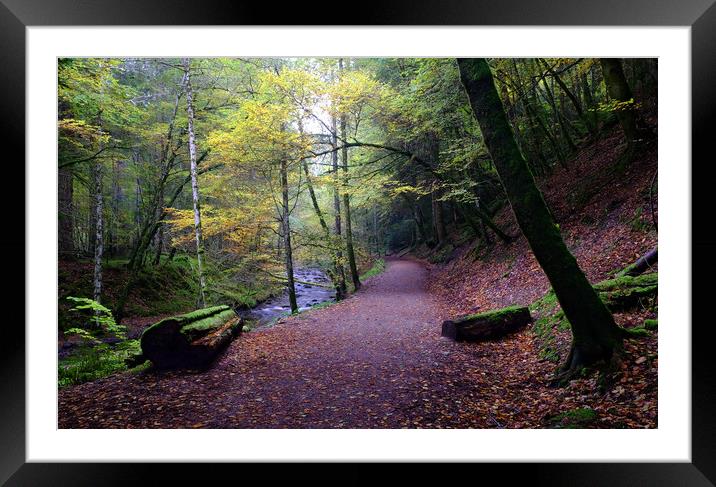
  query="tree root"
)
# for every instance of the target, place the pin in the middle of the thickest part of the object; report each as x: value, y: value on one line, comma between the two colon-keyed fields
x: 578, y: 366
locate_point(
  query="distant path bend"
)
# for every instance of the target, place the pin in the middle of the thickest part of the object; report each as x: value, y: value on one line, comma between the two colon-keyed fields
x: 375, y: 360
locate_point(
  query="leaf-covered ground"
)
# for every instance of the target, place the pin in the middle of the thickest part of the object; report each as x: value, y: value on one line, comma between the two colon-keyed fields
x: 375, y: 360
x: 607, y: 222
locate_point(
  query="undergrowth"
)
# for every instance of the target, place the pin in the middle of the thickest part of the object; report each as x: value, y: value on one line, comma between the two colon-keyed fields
x: 377, y: 268
x: 90, y: 363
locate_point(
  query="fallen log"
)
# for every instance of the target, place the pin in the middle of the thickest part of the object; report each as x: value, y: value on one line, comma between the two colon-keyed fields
x: 643, y: 263
x: 190, y: 340
x: 490, y: 325
x: 627, y: 292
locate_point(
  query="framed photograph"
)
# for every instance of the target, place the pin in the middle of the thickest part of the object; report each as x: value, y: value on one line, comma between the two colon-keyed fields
x: 434, y: 235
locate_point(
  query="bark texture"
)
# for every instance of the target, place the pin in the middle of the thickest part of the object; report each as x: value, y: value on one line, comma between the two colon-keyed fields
x: 194, y: 183
x: 340, y: 270
x: 65, y: 193
x: 286, y: 231
x: 619, y: 90
x: 347, y: 202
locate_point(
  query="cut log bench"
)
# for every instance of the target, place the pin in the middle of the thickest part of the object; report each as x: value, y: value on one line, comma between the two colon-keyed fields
x: 190, y: 340
x: 490, y: 325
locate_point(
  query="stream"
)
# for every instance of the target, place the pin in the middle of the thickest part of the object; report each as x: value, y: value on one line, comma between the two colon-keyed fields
x: 307, y: 296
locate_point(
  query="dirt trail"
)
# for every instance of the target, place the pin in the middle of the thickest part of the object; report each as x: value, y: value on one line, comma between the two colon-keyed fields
x: 375, y: 360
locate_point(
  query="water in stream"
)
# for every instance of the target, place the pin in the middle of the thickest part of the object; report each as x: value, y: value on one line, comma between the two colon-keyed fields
x: 307, y: 296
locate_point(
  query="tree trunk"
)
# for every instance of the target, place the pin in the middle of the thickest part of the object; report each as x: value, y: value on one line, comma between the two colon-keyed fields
x: 340, y: 270
x: 346, y: 202
x: 572, y: 98
x: 194, y: 184
x: 286, y: 227
x: 160, y: 245
x: 317, y: 209
x: 99, y: 234
x: 437, y: 210
x: 595, y: 334
x: 590, y: 115
x: 151, y: 224
x: 376, y: 231
x: 619, y: 91
x: 65, y: 224
x: 531, y: 106
x: 561, y: 121
x: 98, y: 217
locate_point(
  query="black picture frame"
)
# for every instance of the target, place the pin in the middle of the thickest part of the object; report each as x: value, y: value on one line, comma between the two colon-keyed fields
x: 16, y: 15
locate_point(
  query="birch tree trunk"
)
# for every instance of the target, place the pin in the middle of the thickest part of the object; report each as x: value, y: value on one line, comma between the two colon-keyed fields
x: 194, y: 183
x: 98, y: 214
x: 596, y: 336
x: 98, y: 236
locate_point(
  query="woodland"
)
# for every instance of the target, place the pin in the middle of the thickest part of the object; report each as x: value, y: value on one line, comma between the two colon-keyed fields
x: 357, y: 243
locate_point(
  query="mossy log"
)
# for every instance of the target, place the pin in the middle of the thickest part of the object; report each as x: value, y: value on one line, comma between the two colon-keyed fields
x: 190, y: 340
x: 643, y: 264
x: 627, y: 292
x: 487, y: 326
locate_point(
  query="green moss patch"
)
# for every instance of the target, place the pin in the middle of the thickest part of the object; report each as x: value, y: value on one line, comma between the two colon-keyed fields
x: 651, y: 324
x: 550, y: 320
x: 377, y: 268
x: 187, y: 318
x: 490, y: 315
x: 198, y: 328
x: 623, y: 282
x: 573, y: 418
x: 626, y: 292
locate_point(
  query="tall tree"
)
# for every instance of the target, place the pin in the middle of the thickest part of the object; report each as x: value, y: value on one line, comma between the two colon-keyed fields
x: 98, y: 219
x: 346, y: 199
x: 65, y: 191
x: 337, y: 206
x: 98, y: 205
x: 595, y: 334
x: 194, y: 182
x: 619, y: 91
x: 286, y: 232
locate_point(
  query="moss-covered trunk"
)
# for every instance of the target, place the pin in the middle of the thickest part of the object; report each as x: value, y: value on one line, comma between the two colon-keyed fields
x: 595, y: 334
x: 619, y: 91
x: 340, y: 269
x: 286, y: 227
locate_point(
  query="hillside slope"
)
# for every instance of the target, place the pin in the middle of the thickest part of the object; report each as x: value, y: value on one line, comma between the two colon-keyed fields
x: 606, y: 220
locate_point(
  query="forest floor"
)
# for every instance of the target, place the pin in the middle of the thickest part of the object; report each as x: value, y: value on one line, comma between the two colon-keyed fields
x: 376, y: 360
x: 606, y: 219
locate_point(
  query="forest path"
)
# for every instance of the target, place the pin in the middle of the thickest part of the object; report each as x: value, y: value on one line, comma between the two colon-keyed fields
x: 375, y: 360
